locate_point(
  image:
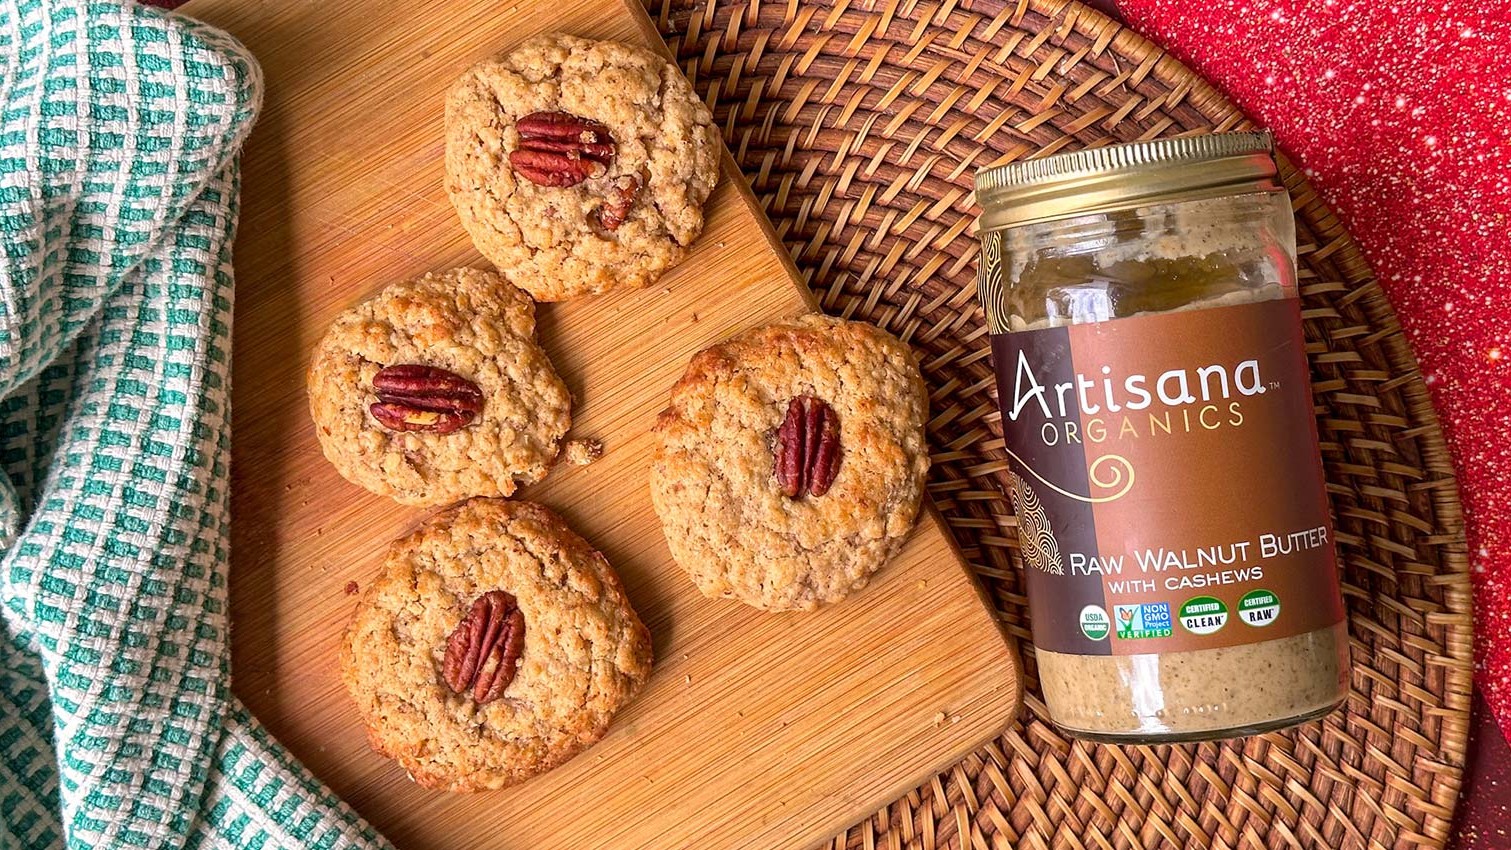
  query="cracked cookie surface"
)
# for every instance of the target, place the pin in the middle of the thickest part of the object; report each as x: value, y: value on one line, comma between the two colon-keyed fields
x: 585, y: 655
x: 714, y: 483
x: 468, y: 322
x: 551, y: 240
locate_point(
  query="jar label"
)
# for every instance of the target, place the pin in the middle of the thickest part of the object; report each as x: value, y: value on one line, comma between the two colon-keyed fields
x: 1167, y: 481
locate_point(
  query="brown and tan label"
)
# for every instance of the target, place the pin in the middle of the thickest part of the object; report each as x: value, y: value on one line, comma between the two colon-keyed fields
x: 1166, y: 476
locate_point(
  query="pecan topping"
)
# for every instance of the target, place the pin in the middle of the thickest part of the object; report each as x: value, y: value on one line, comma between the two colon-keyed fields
x: 483, y: 653
x: 424, y: 398
x: 621, y: 199
x: 560, y: 149
x: 807, y: 455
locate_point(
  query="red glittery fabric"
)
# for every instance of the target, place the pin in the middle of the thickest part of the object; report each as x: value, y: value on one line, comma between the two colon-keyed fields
x: 1400, y: 112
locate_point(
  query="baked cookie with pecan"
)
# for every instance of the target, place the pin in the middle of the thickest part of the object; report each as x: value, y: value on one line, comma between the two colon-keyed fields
x: 579, y: 166
x: 435, y: 390
x: 791, y: 461
x: 495, y: 645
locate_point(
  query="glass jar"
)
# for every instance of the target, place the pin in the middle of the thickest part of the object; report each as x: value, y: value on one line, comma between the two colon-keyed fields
x: 1162, y: 448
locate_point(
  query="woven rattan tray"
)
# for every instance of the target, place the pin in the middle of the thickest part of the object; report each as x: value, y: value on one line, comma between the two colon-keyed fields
x: 860, y: 126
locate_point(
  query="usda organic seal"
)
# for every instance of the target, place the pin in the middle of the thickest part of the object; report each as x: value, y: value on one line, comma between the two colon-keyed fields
x: 1095, y: 623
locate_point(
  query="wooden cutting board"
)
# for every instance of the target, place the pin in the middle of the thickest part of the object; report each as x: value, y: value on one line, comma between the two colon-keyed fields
x: 756, y: 730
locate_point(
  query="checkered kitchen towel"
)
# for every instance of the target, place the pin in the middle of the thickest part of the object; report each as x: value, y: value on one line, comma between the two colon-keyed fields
x: 119, y: 132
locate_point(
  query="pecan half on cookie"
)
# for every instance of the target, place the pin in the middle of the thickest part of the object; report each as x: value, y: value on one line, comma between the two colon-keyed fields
x: 424, y: 398
x: 561, y: 149
x: 807, y: 455
x: 483, y: 652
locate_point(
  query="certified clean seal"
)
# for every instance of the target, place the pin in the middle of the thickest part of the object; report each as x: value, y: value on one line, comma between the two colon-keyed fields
x: 1203, y: 615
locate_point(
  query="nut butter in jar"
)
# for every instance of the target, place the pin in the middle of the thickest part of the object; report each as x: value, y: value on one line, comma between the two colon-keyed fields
x: 1158, y: 419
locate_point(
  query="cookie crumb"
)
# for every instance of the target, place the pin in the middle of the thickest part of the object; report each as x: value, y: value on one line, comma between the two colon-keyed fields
x: 938, y: 718
x: 582, y: 452
x: 352, y: 588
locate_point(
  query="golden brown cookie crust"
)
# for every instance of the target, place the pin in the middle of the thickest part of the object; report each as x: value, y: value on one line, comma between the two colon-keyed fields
x: 713, y: 481
x: 545, y: 239
x: 468, y: 322
x: 586, y: 652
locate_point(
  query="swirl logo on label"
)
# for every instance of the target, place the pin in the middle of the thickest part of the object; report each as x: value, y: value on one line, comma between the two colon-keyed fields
x: 1035, y: 535
x: 1111, y: 474
x: 989, y: 283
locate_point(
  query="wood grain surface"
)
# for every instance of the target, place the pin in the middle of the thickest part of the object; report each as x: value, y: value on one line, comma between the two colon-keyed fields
x: 757, y: 730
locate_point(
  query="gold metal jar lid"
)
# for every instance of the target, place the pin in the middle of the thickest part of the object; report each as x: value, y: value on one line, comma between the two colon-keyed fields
x: 1119, y: 177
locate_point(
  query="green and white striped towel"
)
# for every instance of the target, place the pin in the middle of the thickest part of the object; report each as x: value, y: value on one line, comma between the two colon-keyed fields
x: 120, y: 127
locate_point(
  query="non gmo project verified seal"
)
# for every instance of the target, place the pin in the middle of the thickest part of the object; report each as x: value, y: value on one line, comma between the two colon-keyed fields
x: 1145, y: 620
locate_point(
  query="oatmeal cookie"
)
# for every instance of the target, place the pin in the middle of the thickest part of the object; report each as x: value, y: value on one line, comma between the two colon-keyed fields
x: 435, y: 390
x: 579, y: 166
x: 791, y: 461
x: 495, y: 645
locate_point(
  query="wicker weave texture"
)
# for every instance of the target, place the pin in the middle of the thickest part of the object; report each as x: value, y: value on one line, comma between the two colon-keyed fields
x: 860, y: 126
